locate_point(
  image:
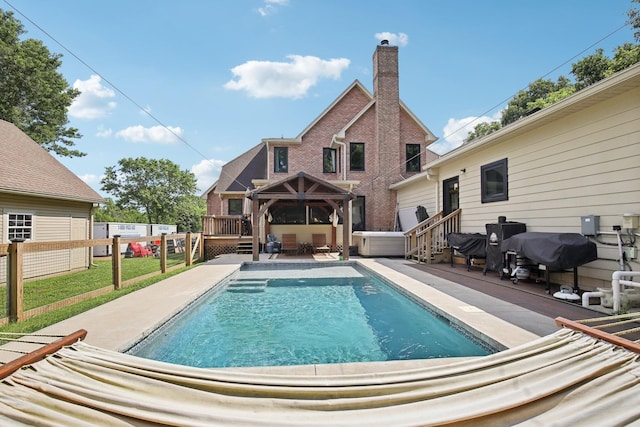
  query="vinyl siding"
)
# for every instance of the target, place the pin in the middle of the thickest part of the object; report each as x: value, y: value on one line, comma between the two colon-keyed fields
x: 52, y: 221
x: 585, y: 163
x: 419, y: 194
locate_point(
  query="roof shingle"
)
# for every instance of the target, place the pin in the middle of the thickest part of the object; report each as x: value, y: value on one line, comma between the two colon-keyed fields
x: 27, y: 168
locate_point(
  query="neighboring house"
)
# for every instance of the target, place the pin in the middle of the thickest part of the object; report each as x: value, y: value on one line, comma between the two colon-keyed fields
x: 362, y: 142
x: 42, y: 200
x: 578, y: 157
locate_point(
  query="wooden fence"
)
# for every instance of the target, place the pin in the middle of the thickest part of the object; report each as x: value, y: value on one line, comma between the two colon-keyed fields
x: 15, y: 260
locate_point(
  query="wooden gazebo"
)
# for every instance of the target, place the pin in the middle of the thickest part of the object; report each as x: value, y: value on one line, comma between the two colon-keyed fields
x: 304, y: 188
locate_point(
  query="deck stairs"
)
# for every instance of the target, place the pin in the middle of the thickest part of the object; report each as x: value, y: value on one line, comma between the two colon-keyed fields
x: 427, y: 241
x: 244, y: 246
x: 247, y: 285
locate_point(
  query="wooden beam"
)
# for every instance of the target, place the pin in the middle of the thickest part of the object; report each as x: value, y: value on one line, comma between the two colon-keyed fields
x: 39, y: 354
x: 266, y: 206
x: 287, y: 196
x: 311, y: 189
x: 346, y: 228
x: 290, y: 188
x: 597, y: 333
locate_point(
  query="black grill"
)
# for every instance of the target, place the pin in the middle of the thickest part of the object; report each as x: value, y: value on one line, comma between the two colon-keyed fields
x: 496, y: 233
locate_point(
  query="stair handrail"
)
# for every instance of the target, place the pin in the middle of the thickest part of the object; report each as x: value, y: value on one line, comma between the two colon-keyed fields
x: 411, y: 235
x: 429, y: 237
x: 424, y: 224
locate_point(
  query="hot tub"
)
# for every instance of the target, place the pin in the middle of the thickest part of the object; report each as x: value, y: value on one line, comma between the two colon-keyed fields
x: 379, y: 243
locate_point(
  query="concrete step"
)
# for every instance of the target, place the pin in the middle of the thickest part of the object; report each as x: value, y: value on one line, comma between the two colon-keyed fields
x: 247, y: 285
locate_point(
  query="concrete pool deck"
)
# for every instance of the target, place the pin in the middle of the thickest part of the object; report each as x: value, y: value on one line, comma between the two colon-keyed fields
x: 121, y: 323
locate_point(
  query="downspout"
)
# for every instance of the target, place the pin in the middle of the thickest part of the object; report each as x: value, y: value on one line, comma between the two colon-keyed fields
x: 346, y: 222
x: 334, y: 139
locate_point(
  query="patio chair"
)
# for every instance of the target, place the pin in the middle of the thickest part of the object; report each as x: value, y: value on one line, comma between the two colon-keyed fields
x: 289, y: 243
x: 273, y: 246
x: 319, y: 242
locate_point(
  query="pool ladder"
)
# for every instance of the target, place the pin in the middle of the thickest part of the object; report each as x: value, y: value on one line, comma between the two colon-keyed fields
x: 247, y: 285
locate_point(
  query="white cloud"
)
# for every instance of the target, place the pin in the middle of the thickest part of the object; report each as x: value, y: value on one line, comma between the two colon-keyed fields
x: 265, y: 79
x: 207, y: 172
x: 104, y: 133
x: 456, y: 130
x: 400, y: 39
x: 94, y: 100
x: 161, y: 134
x: 270, y: 6
x: 90, y: 179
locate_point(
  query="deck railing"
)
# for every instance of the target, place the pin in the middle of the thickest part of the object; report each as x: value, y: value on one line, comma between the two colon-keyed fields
x: 223, y: 225
x: 429, y: 237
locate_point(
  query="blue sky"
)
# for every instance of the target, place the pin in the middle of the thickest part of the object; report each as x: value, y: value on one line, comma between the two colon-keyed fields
x: 201, y: 81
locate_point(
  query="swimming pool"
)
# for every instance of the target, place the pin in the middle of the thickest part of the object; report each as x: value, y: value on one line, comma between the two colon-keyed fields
x: 296, y: 314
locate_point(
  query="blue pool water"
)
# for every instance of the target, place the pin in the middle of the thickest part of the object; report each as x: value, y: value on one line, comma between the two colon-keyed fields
x: 290, y: 319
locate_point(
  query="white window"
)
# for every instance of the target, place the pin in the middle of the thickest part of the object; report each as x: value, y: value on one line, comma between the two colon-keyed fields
x: 20, y: 226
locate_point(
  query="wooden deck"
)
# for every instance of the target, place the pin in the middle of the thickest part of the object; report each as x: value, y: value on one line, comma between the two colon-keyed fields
x: 525, y: 293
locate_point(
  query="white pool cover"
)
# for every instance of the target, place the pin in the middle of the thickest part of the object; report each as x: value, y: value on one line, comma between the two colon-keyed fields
x: 566, y: 378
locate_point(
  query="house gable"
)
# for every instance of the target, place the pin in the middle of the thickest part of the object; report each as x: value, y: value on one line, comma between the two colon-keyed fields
x: 346, y: 106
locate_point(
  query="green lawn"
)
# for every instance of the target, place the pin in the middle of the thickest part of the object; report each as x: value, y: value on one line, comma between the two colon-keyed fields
x: 46, y: 291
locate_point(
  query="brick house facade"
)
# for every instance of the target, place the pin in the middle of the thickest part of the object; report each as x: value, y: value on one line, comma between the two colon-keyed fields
x: 358, y: 143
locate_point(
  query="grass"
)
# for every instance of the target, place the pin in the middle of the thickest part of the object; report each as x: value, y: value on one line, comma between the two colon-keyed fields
x: 46, y: 291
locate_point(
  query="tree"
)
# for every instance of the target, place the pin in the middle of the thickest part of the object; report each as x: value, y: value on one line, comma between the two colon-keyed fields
x: 520, y: 105
x: 551, y: 98
x: 35, y: 97
x: 154, y: 187
x: 110, y: 212
x: 482, y: 129
x: 591, y: 69
x: 634, y: 20
x: 190, y: 211
x: 625, y: 56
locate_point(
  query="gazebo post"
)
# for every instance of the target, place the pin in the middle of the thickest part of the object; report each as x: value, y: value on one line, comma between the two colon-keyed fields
x: 255, y: 229
x: 345, y: 227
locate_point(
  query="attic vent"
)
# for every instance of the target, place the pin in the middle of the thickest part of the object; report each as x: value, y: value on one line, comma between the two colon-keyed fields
x: 384, y: 43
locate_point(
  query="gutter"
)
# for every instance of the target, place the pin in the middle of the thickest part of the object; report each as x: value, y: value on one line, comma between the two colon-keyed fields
x: 334, y: 140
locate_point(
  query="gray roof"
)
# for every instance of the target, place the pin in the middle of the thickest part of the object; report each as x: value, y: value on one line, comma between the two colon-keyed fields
x: 237, y: 174
x: 28, y: 169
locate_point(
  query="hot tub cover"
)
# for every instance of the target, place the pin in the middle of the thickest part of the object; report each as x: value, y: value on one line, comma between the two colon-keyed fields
x: 557, y: 251
x: 470, y: 244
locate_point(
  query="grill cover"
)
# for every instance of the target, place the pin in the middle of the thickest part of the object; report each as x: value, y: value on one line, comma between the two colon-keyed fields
x: 558, y: 251
x: 470, y: 244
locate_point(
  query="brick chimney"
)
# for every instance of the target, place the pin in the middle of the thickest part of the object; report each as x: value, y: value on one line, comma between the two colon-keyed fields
x: 386, y: 92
